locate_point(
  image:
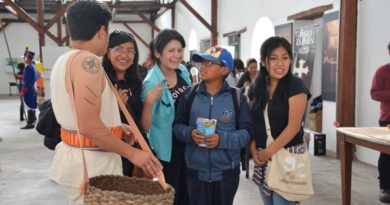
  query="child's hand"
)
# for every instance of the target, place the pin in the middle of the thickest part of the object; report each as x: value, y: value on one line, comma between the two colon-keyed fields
x: 197, y: 136
x: 212, y: 141
x: 255, y: 158
x: 264, y: 156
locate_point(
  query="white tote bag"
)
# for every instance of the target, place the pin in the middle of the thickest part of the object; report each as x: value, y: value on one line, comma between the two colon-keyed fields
x: 288, y: 174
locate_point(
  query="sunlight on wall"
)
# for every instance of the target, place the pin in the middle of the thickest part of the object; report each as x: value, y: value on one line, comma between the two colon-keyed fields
x: 193, y: 41
x: 263, y: 30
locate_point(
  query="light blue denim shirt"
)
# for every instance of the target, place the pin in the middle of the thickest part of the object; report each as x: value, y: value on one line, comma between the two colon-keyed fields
x: 160, y: 133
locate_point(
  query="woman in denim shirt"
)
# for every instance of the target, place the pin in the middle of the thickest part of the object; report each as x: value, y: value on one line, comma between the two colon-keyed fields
x: 161, y: 90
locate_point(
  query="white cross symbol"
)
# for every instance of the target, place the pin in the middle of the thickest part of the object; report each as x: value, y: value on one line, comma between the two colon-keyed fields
x: 299, y: 71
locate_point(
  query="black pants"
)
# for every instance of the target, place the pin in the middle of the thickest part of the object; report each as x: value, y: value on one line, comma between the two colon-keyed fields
x: 213, y: 193
x: 21, y: 110
x: 384, y: 165
x: 175, y: 172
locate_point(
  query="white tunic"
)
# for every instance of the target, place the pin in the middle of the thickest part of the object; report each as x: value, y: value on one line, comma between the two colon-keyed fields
x: 67, y: 167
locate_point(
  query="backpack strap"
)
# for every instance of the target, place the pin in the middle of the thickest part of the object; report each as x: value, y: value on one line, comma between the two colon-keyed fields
x: 236, y: 95
x: 190, y: 100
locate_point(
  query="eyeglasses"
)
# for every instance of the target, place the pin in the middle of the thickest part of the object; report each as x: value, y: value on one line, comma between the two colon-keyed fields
x: 208, y: 63
x: 120, y: 50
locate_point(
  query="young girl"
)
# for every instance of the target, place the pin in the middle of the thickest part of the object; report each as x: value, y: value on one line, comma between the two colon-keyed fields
x: 162, y: 88
x: 286, y: 96
x: 120, y: 64
x: 249, y: 74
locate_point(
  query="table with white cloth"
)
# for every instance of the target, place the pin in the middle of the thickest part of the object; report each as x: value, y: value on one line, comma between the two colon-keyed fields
x: 377, y: 138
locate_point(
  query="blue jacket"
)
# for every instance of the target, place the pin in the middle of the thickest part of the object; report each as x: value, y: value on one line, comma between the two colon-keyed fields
x: 211, y: 162
x: 160, y: 133
x: 30, y: 76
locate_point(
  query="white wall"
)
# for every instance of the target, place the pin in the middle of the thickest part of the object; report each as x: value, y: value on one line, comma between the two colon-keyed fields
x: 373, y: 37
x: 21, y: 34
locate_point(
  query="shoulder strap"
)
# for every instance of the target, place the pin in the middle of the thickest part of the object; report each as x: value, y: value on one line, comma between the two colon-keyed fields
x: 69, y: 80
x: 236, y: 95
x: 190, y: 100
x: 134, y: 130
x: 267, y: 126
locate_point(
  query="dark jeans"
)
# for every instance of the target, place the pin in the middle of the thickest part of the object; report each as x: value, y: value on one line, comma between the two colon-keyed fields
x: 213, y: 193
x: 384, y: 165
x: 175, y: 172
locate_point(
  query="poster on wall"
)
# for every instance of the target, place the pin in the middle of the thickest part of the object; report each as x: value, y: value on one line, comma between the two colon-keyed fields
x: 304, y: 52
x: 285, y: 31
x: 329, y: 56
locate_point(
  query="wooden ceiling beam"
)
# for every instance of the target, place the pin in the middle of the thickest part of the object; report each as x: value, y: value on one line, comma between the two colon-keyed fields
x: 214, y: 22
x: 235, y: 32
x: 161, y: 13
x: 310, y: 14
x: 140, y: 14
x: 136, y: 34
x: 126, y: 21
x: 58, y: 15
x: 16, y: 20
x: 24, y: 16
x: 41, y: 22
x: 196, y: 14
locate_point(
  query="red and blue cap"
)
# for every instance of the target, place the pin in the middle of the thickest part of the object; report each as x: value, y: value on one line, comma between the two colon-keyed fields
x: 216, y: 53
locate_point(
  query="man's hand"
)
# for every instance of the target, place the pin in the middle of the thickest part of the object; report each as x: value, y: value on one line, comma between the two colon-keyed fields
x: 127, y: 134
x: 147, y: 161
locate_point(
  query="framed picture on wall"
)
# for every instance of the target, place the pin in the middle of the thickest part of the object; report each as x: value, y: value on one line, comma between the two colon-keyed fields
x: 285, y: 31
x: 330, y: 55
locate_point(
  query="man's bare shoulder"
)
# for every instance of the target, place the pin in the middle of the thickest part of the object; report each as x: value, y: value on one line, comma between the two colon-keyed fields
x: 85, y: 61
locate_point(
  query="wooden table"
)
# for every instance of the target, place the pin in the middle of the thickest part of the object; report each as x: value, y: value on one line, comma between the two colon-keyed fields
x: 370, y: 137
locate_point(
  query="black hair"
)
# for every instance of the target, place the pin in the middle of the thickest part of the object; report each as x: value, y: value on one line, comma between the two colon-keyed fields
x: 21, y: 66
x: 162, y: 39
x: 151, y: 52
x: 237, y: 63
x: 133, y: 81
x: 85, y: 17
x: 250, y: 61
x: 259, y: 94
x: 388, y: 46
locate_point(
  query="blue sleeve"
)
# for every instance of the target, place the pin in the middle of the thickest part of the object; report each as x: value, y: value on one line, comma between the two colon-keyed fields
x: 147, y: 85
x: 239, y: 138
x: 181, y: 130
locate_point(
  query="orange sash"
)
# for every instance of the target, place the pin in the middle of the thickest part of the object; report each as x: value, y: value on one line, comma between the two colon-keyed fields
x: 71, y: 139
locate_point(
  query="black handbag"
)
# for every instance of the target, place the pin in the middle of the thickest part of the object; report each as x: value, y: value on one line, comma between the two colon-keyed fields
x: 48, y: 126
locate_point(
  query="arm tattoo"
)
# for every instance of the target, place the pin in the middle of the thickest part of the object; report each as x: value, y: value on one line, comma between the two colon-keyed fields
x: 91, y: 64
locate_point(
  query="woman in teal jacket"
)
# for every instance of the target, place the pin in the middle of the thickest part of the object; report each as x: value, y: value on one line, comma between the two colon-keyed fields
x: 161, y: 90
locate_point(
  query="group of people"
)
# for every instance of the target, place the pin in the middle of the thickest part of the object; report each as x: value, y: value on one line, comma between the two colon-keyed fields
x: 166, y: 107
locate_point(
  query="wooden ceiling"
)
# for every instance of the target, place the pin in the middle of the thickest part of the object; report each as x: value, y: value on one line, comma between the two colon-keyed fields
x: 147, y: 7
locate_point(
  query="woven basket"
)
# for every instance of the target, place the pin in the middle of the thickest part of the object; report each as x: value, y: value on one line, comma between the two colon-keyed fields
x: 120, y: 190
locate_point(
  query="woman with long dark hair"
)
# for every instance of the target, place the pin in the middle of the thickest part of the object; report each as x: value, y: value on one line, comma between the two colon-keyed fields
x: 286, y: 98
x: 161, y: 91
x: 120, y: 64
